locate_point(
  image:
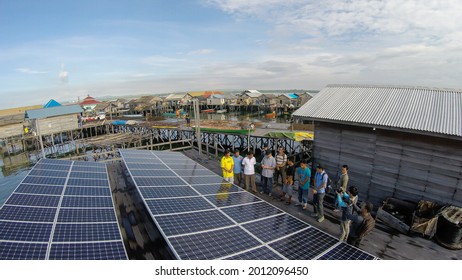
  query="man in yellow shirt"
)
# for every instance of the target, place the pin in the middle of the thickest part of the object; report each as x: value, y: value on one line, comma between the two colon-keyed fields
x: 227, y: 165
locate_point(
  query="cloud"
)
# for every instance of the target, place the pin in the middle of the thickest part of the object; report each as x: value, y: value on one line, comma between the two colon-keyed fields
x: 30, y: 71
x: 201, y: 51
x: 159, y: 60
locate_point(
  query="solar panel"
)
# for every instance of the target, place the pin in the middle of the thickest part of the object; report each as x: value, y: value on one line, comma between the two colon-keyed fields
x: 213, y: 244
x: 33, y: 200
x: 216, y: 188
x: 244, y: 213
x: 152, y: 172
x: 201, y: 180
x: 22, y: 251
x: 86, y: 232
x: 27, y: 214
x: 39, y: 189
x: 58, y: 214
x: 87, y: 251
x: 203, y: 217
x: 83, y: 215
x: 275, y: 227
x: 227, y: 199
x: 261, y: 253
x: 158, y: 181
x: 163, y: 192
x: 177, y: 205
x: 192, y: 222
x: 87, y: 191
x: 305, y: 245
x: 345, y: 252
x: 86, y: 202
x: 20, y: 231
x: 88, y: 169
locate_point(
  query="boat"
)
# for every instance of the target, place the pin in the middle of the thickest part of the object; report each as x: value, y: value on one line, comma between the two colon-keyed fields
x: 208, y: 111
x: 222, y: 111
x: 173, y: 114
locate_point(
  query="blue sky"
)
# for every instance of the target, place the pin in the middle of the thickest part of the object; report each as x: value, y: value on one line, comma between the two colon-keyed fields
x: 68, y: 49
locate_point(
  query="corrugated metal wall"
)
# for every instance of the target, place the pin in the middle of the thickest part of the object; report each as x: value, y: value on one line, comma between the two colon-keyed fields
x: 386, y: 163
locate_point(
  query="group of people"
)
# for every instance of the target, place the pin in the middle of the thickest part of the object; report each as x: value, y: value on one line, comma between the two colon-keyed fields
x: 355, y: 222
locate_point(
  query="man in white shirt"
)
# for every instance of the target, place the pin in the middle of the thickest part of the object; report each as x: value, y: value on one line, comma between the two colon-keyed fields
x: 249, y: 172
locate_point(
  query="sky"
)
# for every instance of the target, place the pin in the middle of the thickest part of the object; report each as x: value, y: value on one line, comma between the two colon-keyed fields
x: 66, y: 50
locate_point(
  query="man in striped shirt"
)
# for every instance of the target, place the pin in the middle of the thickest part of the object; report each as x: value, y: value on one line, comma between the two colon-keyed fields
x: 281, y: 161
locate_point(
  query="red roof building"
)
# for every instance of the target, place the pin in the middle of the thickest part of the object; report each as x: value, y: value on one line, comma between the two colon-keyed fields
x: 89, y: 103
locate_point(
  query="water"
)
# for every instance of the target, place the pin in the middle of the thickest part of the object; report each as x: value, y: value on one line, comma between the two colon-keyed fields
x: 10, y: 182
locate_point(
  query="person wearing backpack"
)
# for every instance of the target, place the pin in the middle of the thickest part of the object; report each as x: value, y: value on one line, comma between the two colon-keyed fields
x: 319, y: 191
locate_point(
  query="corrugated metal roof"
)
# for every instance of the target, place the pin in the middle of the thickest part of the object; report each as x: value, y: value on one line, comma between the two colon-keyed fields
x: 53, y: 111
x: 413, y: 108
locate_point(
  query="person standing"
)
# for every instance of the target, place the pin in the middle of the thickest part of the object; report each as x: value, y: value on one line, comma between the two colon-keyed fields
x: 268, y: 165
x: 281, y: 162
x: 361, y: 225
x: 227, y: 165
x: 289, y: 182
x: 347, y: 202
x: 319, y: 192
x: 237, y: 170
x: 249, y: 172
x: 188, y: 120
x: 342, y: 184
x: 304, y: 177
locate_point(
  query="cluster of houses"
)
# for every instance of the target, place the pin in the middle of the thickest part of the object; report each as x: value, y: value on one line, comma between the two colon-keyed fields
x: 156, y: 104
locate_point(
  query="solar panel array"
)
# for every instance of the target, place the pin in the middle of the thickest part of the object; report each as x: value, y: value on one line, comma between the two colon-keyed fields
x: 203, y: 217
x: 61, y: 210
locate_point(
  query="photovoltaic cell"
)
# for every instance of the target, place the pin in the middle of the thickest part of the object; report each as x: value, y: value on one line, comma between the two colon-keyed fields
x: 171, y: 191
x: 88, y: 251
x: 19, y: 231
x: 29, y: 214
x: 87, y: 191
x: 345, y: 252
x: 82, y: 215
x: 275, y: 227
x: 51, y: 167
x: 39, y: 189
x: 86, y: 232
x: 185, y: 166
x: 33, y: 200
x: 261, y: 253
x: 250, y: 212
x: 177, y: 205
x: 217, y: 188
x: 22, y: 251
x: 227, y: 199
x: 304, y: 245
x: 158, y: 181
x: 192, y: 222
x: 213, y: 244
x: 55, y: 162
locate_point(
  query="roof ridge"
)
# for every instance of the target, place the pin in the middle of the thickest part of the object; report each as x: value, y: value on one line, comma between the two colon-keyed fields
x: 394, y: 86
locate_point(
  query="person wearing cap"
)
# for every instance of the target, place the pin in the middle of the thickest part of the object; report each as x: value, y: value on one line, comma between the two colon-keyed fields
x: 227, y: 165
x: 237, y: 167
x: 249, y: 172
x: 268, y: 165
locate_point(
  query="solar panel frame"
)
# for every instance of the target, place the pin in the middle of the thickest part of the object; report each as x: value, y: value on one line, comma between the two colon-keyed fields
x: 22, y: 251
x: 177, y: 205
x: 229, y: 199
x: 27, y: 214
x: 39, y: 189
x: 345, y: 252
x: 166, y: 192
x: 33, y: 200
x: 86, y: 191
x: 85, y: 215
x: 25, y: 231
x: 260, y: 253
x: 83, y: 232
x: 87, y: 251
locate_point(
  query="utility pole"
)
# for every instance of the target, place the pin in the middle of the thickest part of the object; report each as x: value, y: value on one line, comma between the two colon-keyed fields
x: 250, y: 127
x: 198, y: 125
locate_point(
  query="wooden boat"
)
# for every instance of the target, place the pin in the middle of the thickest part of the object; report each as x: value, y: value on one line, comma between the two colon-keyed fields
x: 208, y: 111
x: 222, y: 111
